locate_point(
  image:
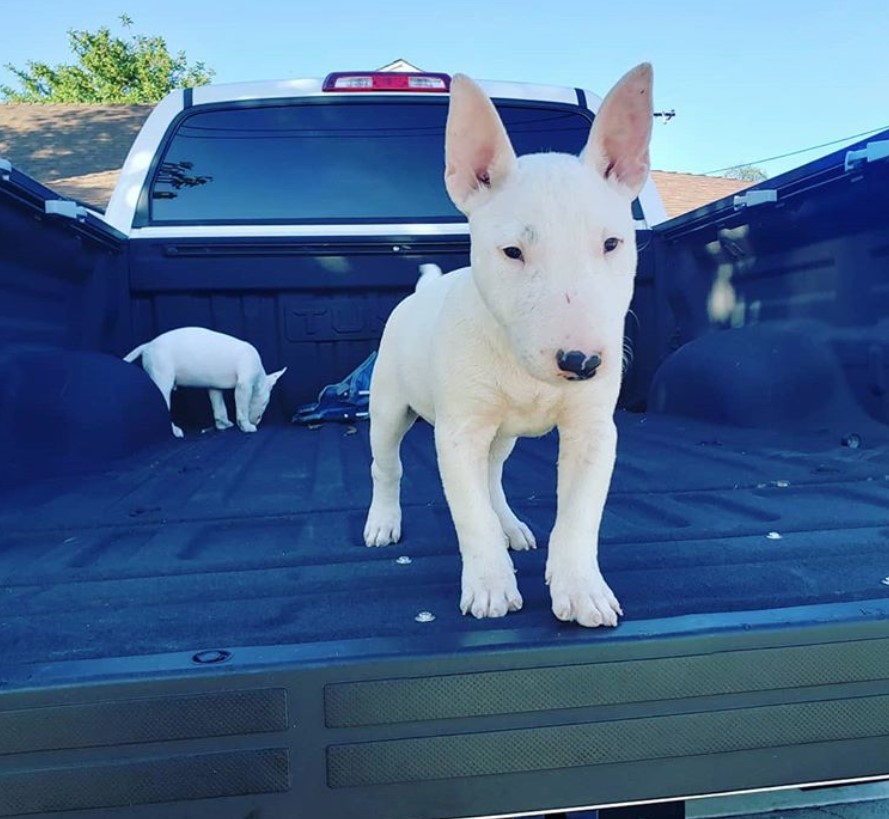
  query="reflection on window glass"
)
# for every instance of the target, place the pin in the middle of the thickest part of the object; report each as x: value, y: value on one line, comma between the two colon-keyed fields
x: 328, y: 162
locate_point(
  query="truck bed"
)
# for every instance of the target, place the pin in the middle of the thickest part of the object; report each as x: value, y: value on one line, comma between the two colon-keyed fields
x: 205, y: 627
x: 228, y: 540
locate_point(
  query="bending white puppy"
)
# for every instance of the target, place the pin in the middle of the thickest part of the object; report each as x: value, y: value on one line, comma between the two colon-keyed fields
x: 527, y: 338
x: 197, y: 357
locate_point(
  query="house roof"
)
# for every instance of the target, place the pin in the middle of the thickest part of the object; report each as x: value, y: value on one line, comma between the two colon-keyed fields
x: 78, y: 150
x: 682, y: 192
x: 400, y: 65
x: 55, y: 142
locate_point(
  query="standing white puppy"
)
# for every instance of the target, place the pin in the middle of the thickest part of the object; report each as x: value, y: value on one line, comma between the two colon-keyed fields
x: 197, y: 357
x: 527, y: 338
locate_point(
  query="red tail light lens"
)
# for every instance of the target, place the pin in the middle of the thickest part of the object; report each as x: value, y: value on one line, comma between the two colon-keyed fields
x: 425, y: 82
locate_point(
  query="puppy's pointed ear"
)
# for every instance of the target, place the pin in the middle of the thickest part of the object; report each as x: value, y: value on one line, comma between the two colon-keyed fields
x: 272, y: 378
x: 618, y: 144
x: 478, y: 154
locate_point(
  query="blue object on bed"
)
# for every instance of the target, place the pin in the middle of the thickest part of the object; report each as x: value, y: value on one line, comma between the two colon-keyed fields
x: 346, y: 401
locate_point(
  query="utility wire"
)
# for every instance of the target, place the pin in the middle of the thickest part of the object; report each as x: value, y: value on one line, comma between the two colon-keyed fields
x: 800, y: 151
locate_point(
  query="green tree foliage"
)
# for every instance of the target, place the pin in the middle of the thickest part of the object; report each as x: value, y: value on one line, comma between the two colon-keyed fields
x: 747, y: 173
x: 108, y: 69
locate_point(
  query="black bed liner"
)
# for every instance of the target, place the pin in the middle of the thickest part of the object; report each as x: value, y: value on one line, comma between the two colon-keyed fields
x: 199, y: 607
x: 226, y: 539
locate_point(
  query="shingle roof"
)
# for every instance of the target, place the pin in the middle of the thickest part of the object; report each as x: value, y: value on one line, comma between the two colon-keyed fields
x: 52, y: 142
x: 78, y: 150
x: 93, y: 188
x: 682, y: 192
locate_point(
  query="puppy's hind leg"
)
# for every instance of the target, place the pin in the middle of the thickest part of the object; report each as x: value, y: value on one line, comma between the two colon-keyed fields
x: 520, y: 537
x: 389, y: 422
x: 220, y: 411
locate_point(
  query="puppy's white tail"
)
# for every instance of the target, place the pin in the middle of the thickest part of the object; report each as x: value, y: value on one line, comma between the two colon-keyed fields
x: 134, y: 354
x: 428, y: 273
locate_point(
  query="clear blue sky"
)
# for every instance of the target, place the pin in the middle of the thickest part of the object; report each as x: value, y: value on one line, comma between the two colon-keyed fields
x: 748, y: 80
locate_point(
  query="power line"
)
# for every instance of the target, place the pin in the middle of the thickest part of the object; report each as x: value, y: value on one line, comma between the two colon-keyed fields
x: 800, y: 151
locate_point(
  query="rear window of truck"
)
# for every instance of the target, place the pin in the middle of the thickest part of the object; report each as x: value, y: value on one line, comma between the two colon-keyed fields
x: 329, y: 161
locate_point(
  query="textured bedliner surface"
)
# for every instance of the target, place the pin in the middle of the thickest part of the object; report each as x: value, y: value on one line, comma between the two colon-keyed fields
x: 224, y: 539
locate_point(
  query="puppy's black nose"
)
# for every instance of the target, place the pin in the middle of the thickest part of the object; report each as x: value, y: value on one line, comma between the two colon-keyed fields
x: 577, y: 364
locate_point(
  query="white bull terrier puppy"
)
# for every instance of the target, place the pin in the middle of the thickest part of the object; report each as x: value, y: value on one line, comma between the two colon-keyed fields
x: 528, y: 338
x: 197, y: 357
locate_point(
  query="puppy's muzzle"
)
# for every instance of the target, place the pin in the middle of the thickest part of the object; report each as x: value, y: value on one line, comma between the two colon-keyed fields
x: 576, y: 365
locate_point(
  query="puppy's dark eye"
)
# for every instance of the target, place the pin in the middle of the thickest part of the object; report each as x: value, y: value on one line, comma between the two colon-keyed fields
x: 611, y: 243
x: 514, y: 253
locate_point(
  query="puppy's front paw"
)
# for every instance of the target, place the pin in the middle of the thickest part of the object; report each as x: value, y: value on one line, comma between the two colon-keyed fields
x: 489, y: 591
x: 584, y: 597
x: 223, y: 423
x: 383, y: 526
x: 246, y: 426
x: 177, y: 431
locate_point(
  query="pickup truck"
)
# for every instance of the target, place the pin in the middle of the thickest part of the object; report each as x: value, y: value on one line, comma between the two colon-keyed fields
x: 194, y: 628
